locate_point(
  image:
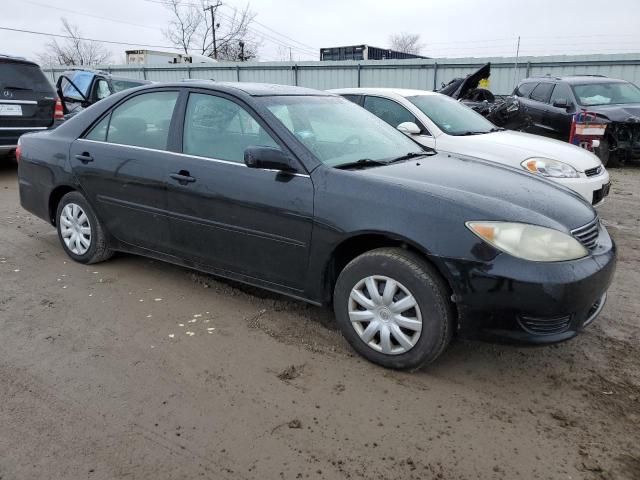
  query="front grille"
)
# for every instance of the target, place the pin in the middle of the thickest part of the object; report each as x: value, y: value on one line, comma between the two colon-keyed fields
x: 588, y: 234
x: 592, y: 172
x: 545, y: 326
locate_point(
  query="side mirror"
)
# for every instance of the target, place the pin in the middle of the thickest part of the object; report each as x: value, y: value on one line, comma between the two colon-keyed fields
x: 561, y: 103
x: 268, y: 158
x: 409, y: 128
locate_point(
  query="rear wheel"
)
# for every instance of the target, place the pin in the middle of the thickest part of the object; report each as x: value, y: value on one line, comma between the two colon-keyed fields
x: 82, y: 235
x: 393, y: 308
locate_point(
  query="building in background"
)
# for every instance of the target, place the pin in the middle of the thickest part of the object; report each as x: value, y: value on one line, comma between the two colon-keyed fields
x: 363, y: 52
x: 155, y: 57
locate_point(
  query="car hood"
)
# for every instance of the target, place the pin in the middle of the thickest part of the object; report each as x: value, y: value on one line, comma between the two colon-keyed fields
x: 458, y: 87
x: 511, y: 148
x: 481, y: 190
x: 617, y: 113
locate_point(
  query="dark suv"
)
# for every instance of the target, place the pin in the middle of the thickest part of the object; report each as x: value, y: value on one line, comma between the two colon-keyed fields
x: 551, y: 103
x: 27, y: 101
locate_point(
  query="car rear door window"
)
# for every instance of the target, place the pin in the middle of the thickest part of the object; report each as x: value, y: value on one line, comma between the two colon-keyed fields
x: 217, y: 128
x: 391, y: 112
x: 142, y: 121
x: 542, y: 92
x: 357, y: 99
x: 99, y: 132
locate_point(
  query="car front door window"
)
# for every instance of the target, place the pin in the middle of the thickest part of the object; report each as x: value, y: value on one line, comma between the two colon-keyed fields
x: 218, y: 128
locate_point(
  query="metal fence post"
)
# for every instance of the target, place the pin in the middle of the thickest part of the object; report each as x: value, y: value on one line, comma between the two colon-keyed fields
x: 144, y: 73
x: 528, y: 69
x: 359, y: 68
x: 435, y: 75
x: 295, y: 74
x: 188, y: 70
x: 237, y: 73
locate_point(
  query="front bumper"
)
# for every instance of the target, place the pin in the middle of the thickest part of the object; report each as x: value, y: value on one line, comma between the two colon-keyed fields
x: 528, y: 302
x: 592, y: 189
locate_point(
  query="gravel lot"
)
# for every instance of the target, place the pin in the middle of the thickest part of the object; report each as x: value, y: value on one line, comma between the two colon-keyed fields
x: 137, y: 369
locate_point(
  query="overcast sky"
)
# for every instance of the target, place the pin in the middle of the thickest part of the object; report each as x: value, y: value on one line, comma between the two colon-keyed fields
x: 448, y: 28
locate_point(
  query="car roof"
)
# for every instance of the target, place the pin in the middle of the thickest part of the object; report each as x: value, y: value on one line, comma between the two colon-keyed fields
x: 249, y: 88
x: 12, y: 59
x: 402, y: 92
x: 576, y: 79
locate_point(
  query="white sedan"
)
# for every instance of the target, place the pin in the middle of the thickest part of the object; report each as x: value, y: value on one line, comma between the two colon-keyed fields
x: 439, y: 122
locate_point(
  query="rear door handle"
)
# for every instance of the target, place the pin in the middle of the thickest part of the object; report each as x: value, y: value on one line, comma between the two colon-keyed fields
x: 183, y: 177
x: 85, y: 157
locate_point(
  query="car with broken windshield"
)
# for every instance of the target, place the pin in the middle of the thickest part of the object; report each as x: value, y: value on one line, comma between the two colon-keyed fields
x: 552, y: 103
x: 304, y: 193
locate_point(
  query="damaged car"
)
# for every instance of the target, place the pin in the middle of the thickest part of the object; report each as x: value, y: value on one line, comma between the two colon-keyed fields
x: 552, y: 103
x: 78, y: 89
x: 503, y: 111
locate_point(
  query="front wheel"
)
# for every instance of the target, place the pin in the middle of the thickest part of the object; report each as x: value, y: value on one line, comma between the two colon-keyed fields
x: 82, y: 235
x: 393, y: 308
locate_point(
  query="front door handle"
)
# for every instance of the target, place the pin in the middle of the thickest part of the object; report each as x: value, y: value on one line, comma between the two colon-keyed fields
x: 183, y: 177
x: 85, y: 157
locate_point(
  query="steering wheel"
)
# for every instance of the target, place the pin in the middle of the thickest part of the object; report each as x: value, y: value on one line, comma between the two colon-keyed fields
x: 353, y: 139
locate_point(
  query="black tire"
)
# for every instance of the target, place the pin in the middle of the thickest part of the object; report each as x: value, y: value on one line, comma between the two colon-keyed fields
x: 423, y: 282
x: 98, y: 250
x: 608, y: 158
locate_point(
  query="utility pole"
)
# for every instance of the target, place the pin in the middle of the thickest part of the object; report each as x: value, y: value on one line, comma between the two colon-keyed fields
x: 241, y: 43
x: 515, y: 65
x: 212, y: 9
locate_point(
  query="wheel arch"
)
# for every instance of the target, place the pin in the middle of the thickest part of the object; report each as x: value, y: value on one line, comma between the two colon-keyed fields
x: 361, y: 242
x: 54, y: 199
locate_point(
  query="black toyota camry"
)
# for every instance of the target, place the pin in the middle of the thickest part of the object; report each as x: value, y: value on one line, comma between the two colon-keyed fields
x: 304, y: 193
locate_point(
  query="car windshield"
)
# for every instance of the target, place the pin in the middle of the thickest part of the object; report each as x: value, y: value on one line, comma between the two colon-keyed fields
x: 339, y: 132
x: 451, y: 116
x: 612, y: 93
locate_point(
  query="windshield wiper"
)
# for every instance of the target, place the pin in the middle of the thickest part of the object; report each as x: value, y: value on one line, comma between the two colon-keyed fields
x: 410, y: 155
x: 497, y: 129
x: 363, y: 162
x: 8, y: 87
x: 467, y: 133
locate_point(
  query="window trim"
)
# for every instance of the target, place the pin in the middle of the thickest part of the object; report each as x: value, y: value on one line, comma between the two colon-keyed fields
x: 188, y: 155
x: 423, y: 130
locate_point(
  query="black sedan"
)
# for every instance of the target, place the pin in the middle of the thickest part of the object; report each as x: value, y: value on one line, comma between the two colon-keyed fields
x: 304, y: 193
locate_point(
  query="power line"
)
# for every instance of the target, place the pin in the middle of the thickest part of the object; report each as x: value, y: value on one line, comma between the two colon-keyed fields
x: 88, y: 14
x: 278, y: 33
x: 277, y: 41
x: 58, y: 35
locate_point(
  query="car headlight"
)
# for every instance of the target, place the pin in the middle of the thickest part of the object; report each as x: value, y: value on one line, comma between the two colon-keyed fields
x: 529, y: 242
x: 549, y: 168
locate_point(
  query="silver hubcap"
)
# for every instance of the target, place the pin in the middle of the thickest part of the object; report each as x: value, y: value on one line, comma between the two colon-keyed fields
x: 385, y: 315
x: 75, y: 229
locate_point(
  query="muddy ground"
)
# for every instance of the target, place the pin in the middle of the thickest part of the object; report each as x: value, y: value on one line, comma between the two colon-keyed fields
x: 135, y: 369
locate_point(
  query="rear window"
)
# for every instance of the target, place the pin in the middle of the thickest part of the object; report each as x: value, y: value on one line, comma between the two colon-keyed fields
x: 23, y: 76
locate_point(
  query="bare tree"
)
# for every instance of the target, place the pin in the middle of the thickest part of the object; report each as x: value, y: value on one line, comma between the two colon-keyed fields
x: 73, y: 51
x: 406, y: 42
x: 191, y: 30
